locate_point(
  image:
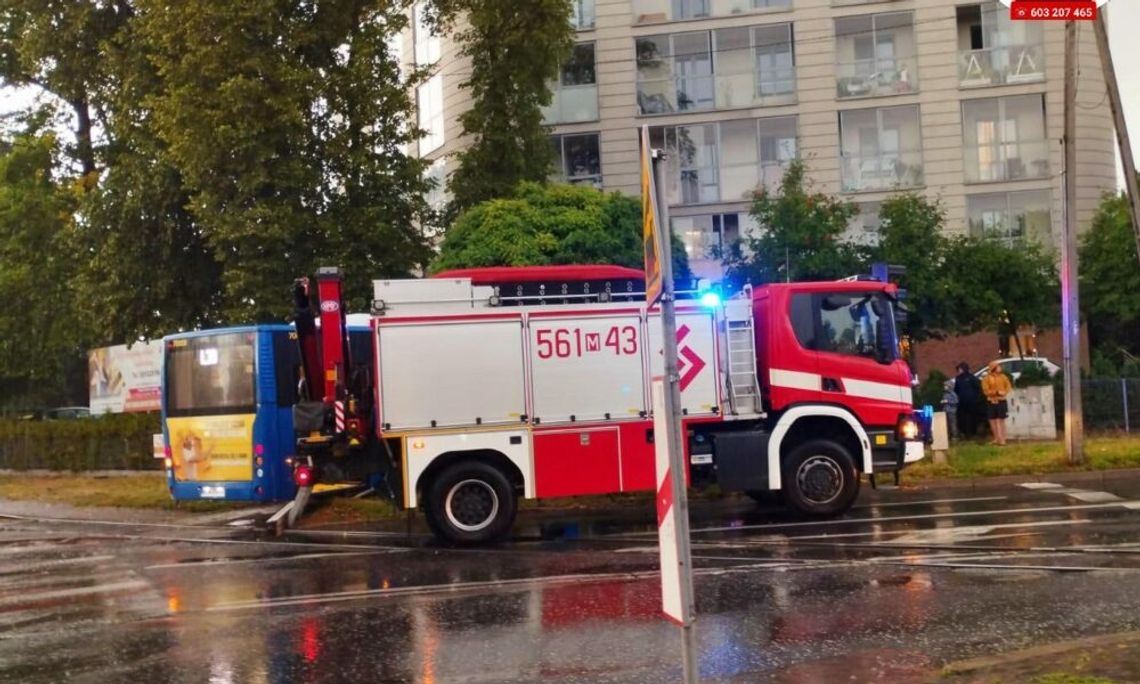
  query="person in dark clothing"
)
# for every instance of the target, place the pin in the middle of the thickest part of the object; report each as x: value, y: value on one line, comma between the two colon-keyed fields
x: 969, y: 391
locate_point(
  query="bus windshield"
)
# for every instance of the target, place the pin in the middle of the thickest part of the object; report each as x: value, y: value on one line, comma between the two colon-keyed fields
x: 210, y: 375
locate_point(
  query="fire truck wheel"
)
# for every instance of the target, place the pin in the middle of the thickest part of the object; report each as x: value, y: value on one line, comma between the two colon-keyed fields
x: 820, y: 478
x: 470, y: 503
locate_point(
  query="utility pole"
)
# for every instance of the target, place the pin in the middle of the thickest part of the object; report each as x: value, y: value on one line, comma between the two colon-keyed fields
x: 1070, y: 299
x: 1126, y: 160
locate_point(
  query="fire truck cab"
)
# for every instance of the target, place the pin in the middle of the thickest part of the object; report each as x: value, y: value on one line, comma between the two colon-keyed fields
x: 482, y: 394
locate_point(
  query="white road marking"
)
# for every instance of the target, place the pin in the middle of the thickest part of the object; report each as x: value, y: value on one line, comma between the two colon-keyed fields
x: 1039, y: 485
x: 264, y: 559
x: 78, y: 591
x: 926, y: 516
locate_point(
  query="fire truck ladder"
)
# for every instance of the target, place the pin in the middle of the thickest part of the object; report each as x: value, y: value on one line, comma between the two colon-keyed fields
x: 744, y: 389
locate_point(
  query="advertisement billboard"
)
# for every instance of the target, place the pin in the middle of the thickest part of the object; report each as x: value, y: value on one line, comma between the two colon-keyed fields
x: 125, y: 380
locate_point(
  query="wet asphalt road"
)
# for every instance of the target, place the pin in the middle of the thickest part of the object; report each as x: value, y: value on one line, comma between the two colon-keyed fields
x: 907, y: 581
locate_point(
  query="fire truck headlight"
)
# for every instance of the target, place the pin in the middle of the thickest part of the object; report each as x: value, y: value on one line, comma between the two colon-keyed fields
x: 908, y: 428
x: 710, y: 300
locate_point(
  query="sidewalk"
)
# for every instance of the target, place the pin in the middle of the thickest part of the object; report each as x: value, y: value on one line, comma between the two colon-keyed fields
x: 1099, y: 478
x: 1108, y: 658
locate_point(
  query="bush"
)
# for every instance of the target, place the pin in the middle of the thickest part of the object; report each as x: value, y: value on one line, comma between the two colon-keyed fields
x: 1034, y: 375
x: 111, y: 442
x: 931, y: 390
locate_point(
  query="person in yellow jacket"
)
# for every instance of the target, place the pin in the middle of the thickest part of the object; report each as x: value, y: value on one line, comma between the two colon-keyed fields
x: 996, y: 387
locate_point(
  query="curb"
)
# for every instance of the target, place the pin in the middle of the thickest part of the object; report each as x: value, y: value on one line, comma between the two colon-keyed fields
x: 978, y: 666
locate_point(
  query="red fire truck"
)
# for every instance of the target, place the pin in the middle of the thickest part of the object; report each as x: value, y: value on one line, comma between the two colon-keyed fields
x: 479, y: 394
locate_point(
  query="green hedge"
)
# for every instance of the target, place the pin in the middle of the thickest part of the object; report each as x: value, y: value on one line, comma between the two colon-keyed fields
x: 111, y: 442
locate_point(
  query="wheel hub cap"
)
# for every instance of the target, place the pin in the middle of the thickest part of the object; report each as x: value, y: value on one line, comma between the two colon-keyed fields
x: 471, y: 505
x: 820, y: 479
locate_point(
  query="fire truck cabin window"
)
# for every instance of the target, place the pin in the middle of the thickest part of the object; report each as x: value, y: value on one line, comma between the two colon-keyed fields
x: 852, y: 324
x: 212, y: 374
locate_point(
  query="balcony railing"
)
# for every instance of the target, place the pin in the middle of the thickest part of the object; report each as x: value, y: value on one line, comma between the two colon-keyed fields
x: 876, y: 77
x: 1007, y: 161
x: 572, y: 104
x: 724, y: 183
x: 771, y: 87
x: 847, y: 3
x: 1001, y: 66
x: 882, y: 172
x: 657, y: 11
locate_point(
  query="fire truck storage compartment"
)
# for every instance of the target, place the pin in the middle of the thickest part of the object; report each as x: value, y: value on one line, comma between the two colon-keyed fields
x: 573, y: 461
x: 441, y: 373
x: 741, y: 459
x: 586, y: 368
x: 696, y: 359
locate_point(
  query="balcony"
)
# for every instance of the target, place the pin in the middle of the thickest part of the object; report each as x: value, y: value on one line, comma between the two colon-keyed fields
x: 727, y: 161
x: 753, y: 66
x: 1006, y: 161
x: 661, y: 11
x: 572, y: 104
x: 994, y: 50
x: 886, y: 171
x: 1001, y: 66
x: 875, y: 55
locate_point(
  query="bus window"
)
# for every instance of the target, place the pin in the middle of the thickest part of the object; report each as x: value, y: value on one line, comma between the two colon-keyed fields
x: 287, y: 367
x: 210, y: 375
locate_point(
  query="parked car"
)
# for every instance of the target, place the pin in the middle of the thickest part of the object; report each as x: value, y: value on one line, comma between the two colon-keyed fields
x: 60, y: 413
x: 1014, y: 366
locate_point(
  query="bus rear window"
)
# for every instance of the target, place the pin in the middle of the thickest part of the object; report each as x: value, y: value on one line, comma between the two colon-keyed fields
x: 212, y: 374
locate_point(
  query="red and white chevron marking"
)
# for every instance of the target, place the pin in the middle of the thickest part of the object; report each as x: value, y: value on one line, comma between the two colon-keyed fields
x: 338, y: 412
x: 671, y: 601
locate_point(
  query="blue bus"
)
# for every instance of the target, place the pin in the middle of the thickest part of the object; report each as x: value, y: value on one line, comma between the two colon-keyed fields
x: 227, y: 400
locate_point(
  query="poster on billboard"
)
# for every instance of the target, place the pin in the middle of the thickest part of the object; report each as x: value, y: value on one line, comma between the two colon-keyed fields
x: 125, y: 380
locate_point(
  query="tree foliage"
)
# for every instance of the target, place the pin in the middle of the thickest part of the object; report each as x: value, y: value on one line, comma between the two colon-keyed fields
x: 551, y: 224
x: 39, y: 341
x: 911, y: 235
x: 508, y: 87
x: 800, y: 235
x: 1110, y: 283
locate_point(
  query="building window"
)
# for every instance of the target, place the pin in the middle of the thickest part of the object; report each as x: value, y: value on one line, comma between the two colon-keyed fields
x: 1004, y: 138
x: 1011, y: 217
x: 657, y: 11
x: 429, y: 101
x: 582, y: 17
x: 864, y: 226
x: 994, y: 50
x: 578, y: 159
x: 726, y: 161
x: 707, y: 238
x: 574, y: 96
x: 880, y: 149
x: 875, y: 55
x: 437, y: 197
x: 427, y: 45
x: 726, y: 68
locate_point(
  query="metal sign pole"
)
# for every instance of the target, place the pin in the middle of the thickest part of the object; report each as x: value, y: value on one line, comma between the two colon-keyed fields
x: 674, y: 434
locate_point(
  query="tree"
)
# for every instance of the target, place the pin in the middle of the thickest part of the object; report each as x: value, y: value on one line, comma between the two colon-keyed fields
x: 40, y: 340
x: 551, y: 224
x: 800, y: 236
x: 911, y: 236
x: 509, y: 85
x: 287, y: 127
x: 58, y: 46
x: 994, y: 286
x: 1110, y: 282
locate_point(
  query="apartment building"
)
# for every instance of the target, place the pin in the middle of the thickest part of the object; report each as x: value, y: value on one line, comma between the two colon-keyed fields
x: 951, y: 99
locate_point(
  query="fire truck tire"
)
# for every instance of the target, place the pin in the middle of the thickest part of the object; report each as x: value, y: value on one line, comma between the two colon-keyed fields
x: 820, y: 478
x: 470, y: 502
